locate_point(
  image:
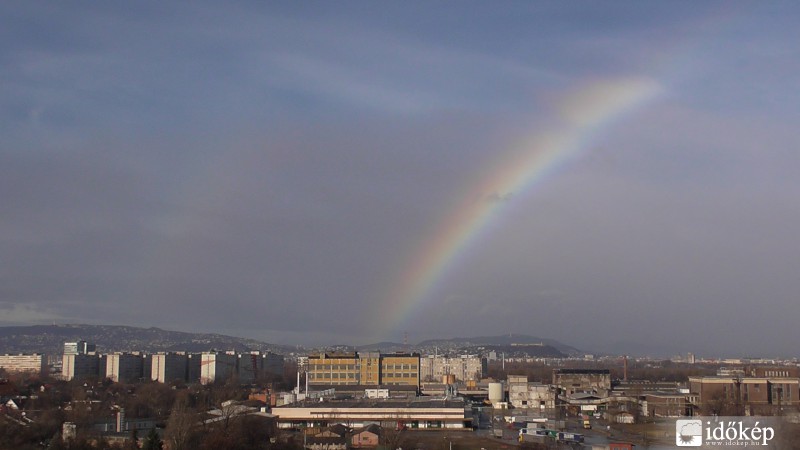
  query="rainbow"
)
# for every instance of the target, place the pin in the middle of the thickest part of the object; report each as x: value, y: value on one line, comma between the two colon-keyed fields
x: 579, y: 118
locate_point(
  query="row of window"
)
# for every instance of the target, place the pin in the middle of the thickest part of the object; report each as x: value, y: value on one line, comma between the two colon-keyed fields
x: 334, y: 367
x: 323, y: 366
x: 777, y: 373
x: 352, y: 376
x: 319, y: 376
x: 399, y: 367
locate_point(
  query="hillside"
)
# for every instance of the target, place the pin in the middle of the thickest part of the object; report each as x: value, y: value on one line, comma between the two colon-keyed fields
x: 511, y: 344
x: 50, y: 339
x: 499, y: 342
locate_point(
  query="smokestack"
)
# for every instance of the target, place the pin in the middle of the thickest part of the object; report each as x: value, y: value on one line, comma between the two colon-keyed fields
x: 625, y: 368
x: 298, y: 383
x: 306, y: 384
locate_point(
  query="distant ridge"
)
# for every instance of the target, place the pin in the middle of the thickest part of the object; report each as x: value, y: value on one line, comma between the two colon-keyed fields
x: 385, y: 347
x: 472, y: 344
x: 501, y: 341
x: 49, y: 339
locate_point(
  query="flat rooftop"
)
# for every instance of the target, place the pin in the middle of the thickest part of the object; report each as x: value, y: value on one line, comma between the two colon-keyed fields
x: 422, y: 403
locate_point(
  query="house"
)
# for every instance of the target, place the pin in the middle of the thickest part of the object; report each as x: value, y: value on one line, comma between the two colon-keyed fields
x: 12, y: 405
x: 367, y: 437
x: 320, y: 442
x: 337, y: 430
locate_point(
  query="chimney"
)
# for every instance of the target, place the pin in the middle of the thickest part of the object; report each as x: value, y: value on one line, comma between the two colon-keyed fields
x: 625, y: 368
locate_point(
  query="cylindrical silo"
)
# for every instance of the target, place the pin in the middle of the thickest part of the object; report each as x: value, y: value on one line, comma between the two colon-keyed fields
x: 495, y: 392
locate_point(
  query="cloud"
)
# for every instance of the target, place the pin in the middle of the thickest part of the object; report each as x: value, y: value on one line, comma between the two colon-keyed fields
x: 268, y: 169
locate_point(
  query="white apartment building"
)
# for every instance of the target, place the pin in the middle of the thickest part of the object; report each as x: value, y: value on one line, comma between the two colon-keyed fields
x: 34, y: 364
x: 217, y: 366
x: 123, y: 366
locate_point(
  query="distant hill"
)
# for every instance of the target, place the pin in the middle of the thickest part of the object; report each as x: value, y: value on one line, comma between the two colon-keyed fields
x: 506, y: 340
x: 384, y: 347
x: 518, y: 344
x: 519, y: 350
x: 49, y: 339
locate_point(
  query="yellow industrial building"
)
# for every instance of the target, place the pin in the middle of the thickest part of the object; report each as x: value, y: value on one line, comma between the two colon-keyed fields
x: 366, y: 368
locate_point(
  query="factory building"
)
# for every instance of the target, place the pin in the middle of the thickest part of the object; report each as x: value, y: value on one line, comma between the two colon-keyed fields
x: 366, y: 368
x: 419, y: 413
x: 739, y: 395
x: 400, y: 369
x: 462, y: 367
x: 524, y: 394
x: 583, y: 381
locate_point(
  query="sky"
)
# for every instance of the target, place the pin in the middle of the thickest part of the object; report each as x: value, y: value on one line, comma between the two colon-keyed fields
x: 616, y: 175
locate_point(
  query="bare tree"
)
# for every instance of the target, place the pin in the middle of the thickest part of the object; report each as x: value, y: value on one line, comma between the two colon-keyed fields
x: 717, y: 405
x: 180, y: 426
x: 391, y: 437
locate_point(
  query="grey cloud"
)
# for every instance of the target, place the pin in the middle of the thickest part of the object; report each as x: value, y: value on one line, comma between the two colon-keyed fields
x: 268, y: 169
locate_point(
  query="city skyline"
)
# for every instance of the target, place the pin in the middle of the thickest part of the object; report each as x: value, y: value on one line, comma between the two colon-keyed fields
x: 612, y: 173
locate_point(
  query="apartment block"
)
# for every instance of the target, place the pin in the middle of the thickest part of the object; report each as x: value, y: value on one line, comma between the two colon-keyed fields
x: 80, y: 366
x: 193, y: 365
x: 79, y: 348
x: 123, y: 367
x: 249, y: 366
x: 273, y: 363
x: 35, y: 364
x: 217, y: 366
x: 167, y: 367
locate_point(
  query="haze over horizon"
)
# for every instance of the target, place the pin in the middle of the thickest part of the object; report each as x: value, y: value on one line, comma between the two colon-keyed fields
x: 612, y: 173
